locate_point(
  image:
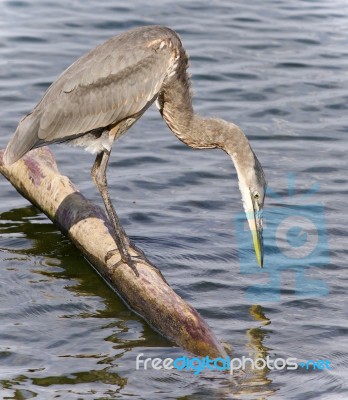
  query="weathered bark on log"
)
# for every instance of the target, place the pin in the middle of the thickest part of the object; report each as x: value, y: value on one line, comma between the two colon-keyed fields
x: 37, y: 178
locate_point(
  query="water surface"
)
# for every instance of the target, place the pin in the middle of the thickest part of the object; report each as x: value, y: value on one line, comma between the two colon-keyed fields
x: 276, y: 68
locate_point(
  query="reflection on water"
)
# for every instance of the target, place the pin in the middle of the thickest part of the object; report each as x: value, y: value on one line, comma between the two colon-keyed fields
x: 278, y: 69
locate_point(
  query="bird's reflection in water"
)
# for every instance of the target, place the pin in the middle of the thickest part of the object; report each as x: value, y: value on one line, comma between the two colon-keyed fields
x: 247, y: 381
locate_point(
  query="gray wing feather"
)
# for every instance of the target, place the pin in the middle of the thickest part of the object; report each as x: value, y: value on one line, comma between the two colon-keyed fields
x: 116, y: 80
x: 83, y: 105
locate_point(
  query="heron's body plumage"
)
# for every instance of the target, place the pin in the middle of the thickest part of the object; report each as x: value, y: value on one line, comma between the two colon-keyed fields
x: 115, y: 82
x: 102, y: 94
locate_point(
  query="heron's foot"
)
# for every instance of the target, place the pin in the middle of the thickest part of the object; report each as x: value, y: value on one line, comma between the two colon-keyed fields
x: 125, y: 259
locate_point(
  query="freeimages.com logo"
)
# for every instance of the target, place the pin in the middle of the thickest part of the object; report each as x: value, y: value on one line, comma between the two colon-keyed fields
x: 295, y: 239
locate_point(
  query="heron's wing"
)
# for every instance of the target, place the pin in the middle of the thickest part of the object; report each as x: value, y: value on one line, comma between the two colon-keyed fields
x: 101, y: 91
x: 116, y: 80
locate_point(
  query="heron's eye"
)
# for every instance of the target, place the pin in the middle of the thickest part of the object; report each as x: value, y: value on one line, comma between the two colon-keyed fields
x: 256, y: 195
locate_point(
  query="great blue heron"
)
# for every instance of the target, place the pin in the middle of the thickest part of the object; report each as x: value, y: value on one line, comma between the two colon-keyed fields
x: 102, y: 94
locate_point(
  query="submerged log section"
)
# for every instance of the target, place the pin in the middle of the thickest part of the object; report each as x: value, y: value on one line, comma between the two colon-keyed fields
x: 37, y: 178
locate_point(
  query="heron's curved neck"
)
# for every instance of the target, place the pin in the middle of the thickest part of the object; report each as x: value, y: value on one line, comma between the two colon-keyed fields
x: 197, y: 132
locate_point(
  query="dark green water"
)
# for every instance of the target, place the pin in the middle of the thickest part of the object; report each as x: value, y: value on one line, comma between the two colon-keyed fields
x: 279, y: 70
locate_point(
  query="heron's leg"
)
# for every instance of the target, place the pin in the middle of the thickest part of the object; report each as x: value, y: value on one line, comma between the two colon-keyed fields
x: 99, y: 177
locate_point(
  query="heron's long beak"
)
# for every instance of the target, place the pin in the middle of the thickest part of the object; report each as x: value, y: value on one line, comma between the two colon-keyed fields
x: 255, y: 224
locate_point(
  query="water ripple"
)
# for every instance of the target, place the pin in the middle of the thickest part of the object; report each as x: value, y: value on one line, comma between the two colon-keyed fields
x: 276, y: 68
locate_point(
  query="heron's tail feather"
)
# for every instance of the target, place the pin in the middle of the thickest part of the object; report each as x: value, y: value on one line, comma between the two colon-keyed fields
x: 24, y: 139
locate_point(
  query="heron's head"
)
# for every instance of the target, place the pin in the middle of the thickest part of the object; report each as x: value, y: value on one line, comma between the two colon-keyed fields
x: 252, y: 184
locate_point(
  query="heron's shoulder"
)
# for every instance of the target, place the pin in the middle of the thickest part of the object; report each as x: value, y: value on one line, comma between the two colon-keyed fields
x: 144, y: 35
